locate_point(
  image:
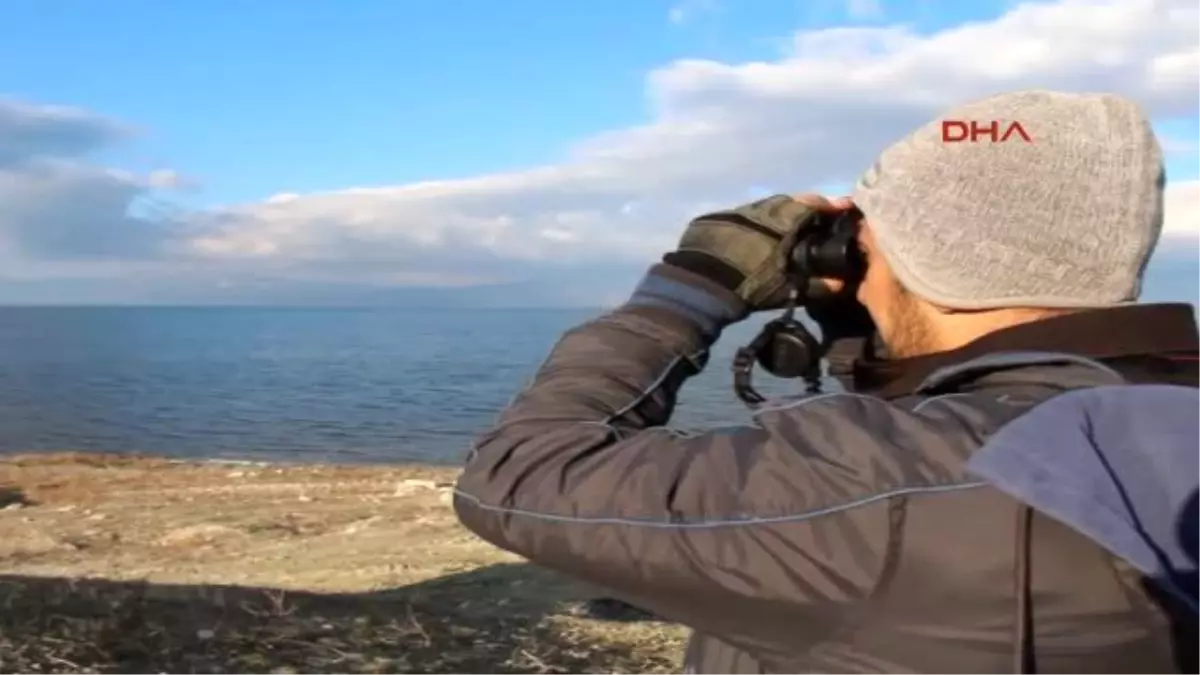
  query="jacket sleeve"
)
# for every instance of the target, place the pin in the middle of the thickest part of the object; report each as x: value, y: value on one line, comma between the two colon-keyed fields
x: 729, y: 531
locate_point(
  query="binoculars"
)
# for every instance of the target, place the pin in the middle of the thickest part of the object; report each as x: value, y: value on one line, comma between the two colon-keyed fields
x: 827, y: 249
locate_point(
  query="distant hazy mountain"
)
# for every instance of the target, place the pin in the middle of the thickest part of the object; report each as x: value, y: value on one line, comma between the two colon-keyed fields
x: 1173, y: 276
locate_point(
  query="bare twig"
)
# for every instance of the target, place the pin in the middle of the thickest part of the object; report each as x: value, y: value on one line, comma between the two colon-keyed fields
x: 278, y: 602
x: 276, y: 605
x: 63, y: 662
x: 412, y: 620
x: 541, y: 665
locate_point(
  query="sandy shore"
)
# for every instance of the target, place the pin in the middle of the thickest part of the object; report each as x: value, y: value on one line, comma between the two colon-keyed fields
x: 128, y: 564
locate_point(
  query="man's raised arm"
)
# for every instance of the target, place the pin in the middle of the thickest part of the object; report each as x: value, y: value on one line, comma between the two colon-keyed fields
x: 580, y: 475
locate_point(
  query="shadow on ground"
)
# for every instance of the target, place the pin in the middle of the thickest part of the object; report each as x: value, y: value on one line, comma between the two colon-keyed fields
x: 498, y: 619
x: 10, y: 496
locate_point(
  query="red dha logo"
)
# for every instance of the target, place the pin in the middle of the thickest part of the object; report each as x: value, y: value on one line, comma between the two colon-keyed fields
x: 956, y: 131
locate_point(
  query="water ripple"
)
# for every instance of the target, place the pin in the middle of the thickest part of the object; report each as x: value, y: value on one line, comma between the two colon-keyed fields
x: 351, y: 385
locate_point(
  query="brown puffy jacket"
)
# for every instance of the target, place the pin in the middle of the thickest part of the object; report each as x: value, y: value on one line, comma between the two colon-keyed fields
x: 840, y: 533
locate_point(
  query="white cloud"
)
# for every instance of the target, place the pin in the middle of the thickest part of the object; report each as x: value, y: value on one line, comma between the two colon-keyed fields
x: 1181, y: 210
x: 684, y: 11
x: 1174, y: 146
x: 54, y: 203
x: 864, y: 9
x: 29, y: 131
x: 815, y: 117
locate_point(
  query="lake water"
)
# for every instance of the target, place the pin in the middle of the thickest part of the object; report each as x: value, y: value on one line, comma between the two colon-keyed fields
x: 351, y: 385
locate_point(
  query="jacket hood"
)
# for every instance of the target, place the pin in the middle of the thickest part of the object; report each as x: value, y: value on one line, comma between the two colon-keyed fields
x: 1118, y: 464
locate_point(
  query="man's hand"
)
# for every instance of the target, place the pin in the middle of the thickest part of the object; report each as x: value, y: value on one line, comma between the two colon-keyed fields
x: 746, y: 249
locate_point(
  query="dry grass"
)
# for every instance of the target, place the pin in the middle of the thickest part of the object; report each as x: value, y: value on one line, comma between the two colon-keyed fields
x: 119, y: 564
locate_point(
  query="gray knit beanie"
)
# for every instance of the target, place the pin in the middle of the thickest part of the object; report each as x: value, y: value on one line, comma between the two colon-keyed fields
x: 1068, y: 218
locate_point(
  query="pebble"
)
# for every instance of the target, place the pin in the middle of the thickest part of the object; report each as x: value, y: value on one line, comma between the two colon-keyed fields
x: 196, y: 534
x: 410, y: 486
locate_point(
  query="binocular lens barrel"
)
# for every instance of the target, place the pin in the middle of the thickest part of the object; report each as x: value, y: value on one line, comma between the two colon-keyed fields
x: 835, y: 257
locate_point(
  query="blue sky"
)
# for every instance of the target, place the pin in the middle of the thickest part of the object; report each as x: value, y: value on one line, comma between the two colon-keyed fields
x: 255, y: 98
x: 237, y: 102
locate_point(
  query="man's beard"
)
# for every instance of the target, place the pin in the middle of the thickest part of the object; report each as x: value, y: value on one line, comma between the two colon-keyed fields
x: 911, y: 333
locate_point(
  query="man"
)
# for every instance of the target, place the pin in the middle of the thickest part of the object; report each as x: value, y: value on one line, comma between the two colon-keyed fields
x: 849, y: 532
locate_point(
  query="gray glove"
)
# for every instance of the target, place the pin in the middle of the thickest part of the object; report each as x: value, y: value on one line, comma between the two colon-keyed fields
x: 746, y: 249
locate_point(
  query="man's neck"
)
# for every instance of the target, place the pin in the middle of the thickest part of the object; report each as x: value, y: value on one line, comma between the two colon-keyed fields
x: 957, y: 330
x: 1131, y: 331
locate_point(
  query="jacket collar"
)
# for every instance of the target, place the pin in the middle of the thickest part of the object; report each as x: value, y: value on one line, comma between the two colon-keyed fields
x: 1101, y: 334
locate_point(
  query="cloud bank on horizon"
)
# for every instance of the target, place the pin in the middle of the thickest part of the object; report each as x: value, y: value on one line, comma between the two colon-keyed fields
x: 719, y: 133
